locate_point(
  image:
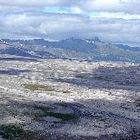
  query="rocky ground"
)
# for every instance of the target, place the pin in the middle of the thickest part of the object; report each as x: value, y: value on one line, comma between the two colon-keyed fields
x: 70, y: 100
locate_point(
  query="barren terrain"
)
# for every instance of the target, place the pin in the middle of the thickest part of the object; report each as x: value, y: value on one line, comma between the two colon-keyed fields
x: 62, y: 99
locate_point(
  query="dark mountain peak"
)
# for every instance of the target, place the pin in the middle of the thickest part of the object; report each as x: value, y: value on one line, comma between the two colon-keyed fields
x: 81, y: 42
x: 72, y: 39
x: 39, y: 40
x: 97, y: 39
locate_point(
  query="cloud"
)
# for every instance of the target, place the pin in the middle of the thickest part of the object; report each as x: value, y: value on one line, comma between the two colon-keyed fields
x: 129, y: 6
x: 62, y: 26
x: 32, y: 3
x: 111, y: 20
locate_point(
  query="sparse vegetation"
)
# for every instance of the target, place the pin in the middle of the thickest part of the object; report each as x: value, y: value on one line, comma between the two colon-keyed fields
x: 65, y: 91
x: 63, y: 104
x: 42, y: 111
x: 63, y: 117
x: 80, y: 76
x: 137, y: 103
x: 34, y: 87
x: 45, y: 111
x: 16, y: 132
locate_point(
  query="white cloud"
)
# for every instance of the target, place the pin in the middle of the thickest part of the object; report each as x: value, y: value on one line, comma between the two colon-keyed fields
x: 85, y: 5
x: 64, y: 26
x: 128, y: 6
x: 113, y: 15
x: 32, y: 3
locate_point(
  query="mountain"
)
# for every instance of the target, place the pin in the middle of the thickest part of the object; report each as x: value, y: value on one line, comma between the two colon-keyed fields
x: 7, y: 48
x: 126, y: 47
x: 15, y: 47
x: 72, y: 48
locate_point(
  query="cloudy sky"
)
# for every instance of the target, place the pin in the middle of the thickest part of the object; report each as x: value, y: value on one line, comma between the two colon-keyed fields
x: 115, y: 21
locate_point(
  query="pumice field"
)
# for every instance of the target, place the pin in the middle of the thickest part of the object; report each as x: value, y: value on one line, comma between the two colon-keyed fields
x: 51, y: 99
x: 69, y: 69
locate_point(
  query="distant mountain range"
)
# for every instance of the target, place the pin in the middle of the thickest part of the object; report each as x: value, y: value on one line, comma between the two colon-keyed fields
x: 72, y: 48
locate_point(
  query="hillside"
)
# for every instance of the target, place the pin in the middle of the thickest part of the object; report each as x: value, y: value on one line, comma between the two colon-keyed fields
x: 89, y: 49
x: 69, y: 100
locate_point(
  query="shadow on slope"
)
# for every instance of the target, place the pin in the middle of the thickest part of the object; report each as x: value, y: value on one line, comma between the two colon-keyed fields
x: 126, y: 78
x: 13, y: 71
x: 99, y: 117
x: 17, y: 59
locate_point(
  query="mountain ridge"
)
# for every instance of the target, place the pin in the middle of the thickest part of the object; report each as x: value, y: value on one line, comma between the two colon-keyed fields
x: 72, y: 48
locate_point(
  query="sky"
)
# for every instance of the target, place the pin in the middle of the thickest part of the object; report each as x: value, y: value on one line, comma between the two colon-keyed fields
x: 115, y: 21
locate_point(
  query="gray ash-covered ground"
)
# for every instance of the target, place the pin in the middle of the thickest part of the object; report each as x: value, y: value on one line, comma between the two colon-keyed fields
x: 63, y: 99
